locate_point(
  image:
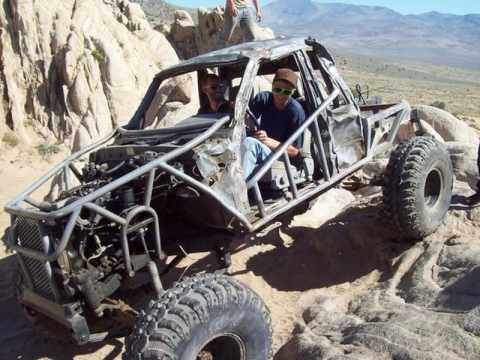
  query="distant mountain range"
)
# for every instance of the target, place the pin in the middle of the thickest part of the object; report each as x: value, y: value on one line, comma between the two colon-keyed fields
x: 435, y: 38
x: 378, y: 31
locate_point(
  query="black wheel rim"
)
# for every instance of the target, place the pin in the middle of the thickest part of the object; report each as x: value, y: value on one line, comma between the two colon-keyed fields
x: 226, y: 346
x: 433, y: 188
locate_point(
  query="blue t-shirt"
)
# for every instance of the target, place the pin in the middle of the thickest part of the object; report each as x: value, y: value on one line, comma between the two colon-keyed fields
x: 279, y: 125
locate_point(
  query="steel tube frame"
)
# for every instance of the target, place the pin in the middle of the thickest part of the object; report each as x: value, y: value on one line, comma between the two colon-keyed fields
x: 149, y: 187
x: 291, y: 180
x: 75, y: 208
x: 317, y: 137
x: 38, y: 255
x: 106, y: 213
x: 161, y: 163
x: 13, y: 208
x: 202, y: 187
x: 260, y: 204
x: 309, y: 194
x: 126, y: 250
x: 282, y: 148
x: 13, y: 205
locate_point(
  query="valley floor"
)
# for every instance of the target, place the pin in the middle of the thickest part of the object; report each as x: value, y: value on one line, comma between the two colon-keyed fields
x: 458, y: 89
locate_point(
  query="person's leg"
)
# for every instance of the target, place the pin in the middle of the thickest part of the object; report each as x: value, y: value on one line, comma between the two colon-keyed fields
x: 227, y: 28
x: 253, y: 154
x: 247, y: 24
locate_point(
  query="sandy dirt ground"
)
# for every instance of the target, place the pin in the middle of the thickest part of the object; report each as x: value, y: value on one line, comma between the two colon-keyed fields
x: 18, y: 169
x: 279, y: 266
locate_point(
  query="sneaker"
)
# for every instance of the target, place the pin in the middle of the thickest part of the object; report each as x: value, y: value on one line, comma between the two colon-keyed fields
x: 474, y: 199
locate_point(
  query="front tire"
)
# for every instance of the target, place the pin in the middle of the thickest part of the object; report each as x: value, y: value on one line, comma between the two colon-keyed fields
x: 205, y: 317
x: 418, y: 187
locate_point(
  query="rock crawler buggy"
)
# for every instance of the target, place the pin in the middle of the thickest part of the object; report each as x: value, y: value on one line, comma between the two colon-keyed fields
x: 142, y: 196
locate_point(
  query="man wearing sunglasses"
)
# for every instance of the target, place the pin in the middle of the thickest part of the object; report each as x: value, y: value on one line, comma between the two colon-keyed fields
x: 280, y: 115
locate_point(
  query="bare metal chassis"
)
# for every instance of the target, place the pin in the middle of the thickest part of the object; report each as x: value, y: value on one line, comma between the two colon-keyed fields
x: 378, y: 133
x: 266, y: 215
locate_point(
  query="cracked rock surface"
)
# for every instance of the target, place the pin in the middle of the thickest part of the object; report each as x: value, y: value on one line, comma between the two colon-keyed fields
x: 73, y: 70
x: 426, y: 307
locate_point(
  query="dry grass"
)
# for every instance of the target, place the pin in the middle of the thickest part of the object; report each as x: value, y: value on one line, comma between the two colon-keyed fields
x: 458, y: 89
x: 46, y: 150
x: 10, y: 139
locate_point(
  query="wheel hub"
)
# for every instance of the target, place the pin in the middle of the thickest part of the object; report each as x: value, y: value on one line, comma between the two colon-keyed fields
x: 433, y: 188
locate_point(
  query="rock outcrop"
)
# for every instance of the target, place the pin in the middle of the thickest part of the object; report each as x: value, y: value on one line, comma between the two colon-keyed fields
x: 465, y: 162
x: 461, y: 141
x: 74, y: 69
x: 426, y: 305
x: 183, y: 35
x: 190, y: 39
x: 447, y: 125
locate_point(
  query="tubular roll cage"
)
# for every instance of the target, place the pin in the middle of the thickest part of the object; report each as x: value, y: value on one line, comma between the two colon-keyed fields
x: 45, y: 212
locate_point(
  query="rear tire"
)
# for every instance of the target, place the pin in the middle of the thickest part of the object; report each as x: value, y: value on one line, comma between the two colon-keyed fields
x: 205, y: 317
x: 418, y: 187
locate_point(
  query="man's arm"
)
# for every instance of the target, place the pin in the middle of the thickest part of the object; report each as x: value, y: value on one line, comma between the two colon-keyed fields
x: 232, y: 9
x: 272, y: 144
x: 258, y: 104
x: 259, y: 11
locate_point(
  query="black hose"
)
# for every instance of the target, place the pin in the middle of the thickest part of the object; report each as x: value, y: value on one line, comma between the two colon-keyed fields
x: 115, y: 168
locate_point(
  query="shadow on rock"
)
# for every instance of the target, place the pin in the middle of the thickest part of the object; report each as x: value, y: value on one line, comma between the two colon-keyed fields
x: 4, y: 240
x: 461, y: 202
x: 342, y: 250
x: 463, y: 294
x: 427, y: 308
x: 18, y: 339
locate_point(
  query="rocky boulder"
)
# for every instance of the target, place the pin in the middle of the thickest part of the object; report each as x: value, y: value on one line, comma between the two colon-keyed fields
x: 74, y: 73
x: 190, y: 40
x: 461, y: 141
x: 183, y: 34
x: 465, y: 162
x: 425, y: 306
x: 447, y: 125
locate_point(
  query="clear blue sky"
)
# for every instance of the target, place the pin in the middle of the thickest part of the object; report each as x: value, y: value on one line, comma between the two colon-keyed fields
x: 402, y: 6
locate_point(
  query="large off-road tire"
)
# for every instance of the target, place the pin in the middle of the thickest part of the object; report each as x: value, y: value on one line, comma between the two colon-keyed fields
x: 208, y: 316
x: 418, y: 187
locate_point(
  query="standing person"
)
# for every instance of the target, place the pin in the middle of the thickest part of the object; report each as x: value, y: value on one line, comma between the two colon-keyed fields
x: 241, y: 12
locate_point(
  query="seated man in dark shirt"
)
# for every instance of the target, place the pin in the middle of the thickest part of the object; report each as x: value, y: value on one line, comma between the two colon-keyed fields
x: 280, y: 115
x: 215, y: 91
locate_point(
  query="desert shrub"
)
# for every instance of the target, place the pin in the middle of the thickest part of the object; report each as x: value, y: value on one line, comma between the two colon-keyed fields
x: 10, y: 139
x: 99, y: 55
x: 47, y: 150
x: 439, y: 104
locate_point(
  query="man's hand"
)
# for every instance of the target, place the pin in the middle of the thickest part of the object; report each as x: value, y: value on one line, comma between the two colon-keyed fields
x: 259, y: 15
x: 272, y: 144
x: 260, y: 135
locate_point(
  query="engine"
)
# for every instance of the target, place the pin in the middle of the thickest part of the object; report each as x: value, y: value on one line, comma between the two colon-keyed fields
x: 93, y: 264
